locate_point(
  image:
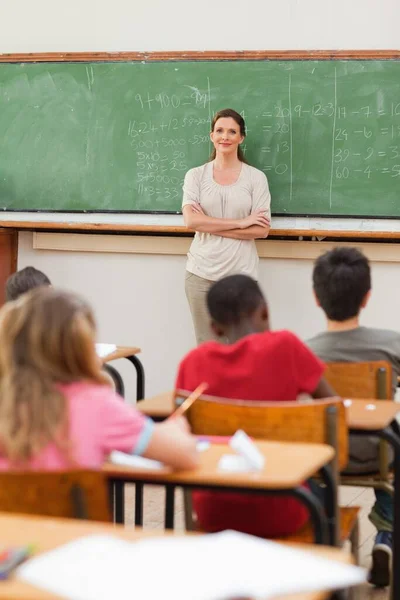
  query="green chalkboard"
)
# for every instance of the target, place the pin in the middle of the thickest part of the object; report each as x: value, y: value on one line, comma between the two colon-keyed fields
x: 119, y: 136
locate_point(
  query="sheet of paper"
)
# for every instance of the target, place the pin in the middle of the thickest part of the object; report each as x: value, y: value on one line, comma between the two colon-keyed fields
x: 243, y: 445
x: 103, y: 350
x: 102, y: 567
x: 234, y: 464
x: 130, y: 460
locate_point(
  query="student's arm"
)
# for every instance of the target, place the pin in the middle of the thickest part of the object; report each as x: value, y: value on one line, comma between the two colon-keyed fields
x: 254, y: 232
x: 122, y: 427
x: 323, y: 390
x: 195, y: 218
x: 172, y: 444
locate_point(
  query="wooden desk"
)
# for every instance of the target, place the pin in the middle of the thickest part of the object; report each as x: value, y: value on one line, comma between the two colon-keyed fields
x: 47, y: 534
x: 130, y: 354
x: 360, y: 417
x: 158, y: 407
x: 287, y: 466
x: 380, y: 423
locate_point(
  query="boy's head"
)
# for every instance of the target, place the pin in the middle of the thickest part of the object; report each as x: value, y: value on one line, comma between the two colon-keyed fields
x: 237, y: 303
x: 342, y: 283
x: 22, y: 281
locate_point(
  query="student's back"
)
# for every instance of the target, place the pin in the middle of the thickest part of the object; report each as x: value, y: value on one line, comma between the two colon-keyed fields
x: 273, y: 365
x: 98, y: 422
x: 342, y: 287
x: 56, y: 411
x: 255, y: 364
x: 361, y: 344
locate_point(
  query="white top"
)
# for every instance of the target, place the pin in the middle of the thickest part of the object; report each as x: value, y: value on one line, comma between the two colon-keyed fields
x: 212, y: 256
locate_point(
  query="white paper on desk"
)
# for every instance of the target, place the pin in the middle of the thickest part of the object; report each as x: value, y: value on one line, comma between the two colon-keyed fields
x: 131, y: 460
x: 245, y: 447
x: 247, y: 457
x: 233, y: 565
x: 103, y: 350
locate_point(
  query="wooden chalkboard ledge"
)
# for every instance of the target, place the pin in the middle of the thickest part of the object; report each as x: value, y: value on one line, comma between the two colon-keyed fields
x: 173, y: 230
x: 209, y: 55
x: 179, y: 245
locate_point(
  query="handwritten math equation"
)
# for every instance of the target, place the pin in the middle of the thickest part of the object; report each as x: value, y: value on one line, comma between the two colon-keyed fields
x: 359, y: 143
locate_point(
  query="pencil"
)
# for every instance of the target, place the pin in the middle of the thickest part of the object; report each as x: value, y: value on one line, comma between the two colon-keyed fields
x: 189, y: 400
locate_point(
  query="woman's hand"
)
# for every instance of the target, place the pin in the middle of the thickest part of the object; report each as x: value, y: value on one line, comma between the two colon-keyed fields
x: 256, y: 218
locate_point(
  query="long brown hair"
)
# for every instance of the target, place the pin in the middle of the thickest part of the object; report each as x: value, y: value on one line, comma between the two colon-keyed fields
x: 46, y: 338
x: 226, y: 113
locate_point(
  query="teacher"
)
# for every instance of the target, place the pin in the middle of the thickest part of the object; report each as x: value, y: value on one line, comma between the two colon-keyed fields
x: 227, y: 203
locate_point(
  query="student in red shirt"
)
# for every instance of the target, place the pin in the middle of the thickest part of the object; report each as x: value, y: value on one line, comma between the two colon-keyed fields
x: 254, y: 364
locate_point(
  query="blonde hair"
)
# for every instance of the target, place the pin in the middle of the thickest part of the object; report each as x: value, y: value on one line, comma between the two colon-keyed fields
x: 46, y: 338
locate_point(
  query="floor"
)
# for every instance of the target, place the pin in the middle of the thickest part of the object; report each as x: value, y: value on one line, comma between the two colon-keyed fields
x: 349, y: 496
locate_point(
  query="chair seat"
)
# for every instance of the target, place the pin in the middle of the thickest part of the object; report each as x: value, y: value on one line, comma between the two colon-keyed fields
x: 348, y: 518
x: 373, y: 480
x: 372, y: 477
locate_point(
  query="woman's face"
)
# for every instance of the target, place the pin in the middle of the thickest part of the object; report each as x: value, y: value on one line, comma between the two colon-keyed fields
x: 226, y: 136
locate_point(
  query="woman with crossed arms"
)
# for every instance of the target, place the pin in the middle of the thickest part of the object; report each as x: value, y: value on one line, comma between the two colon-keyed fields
x: 227, y: 203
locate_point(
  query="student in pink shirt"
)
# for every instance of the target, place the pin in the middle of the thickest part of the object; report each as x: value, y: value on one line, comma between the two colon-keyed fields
x: 56, y: 409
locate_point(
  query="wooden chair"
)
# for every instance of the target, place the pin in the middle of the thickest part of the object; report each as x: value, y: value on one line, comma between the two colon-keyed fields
x: 371, y: 379
x: 76, y: 494
x: 322, y: 421
x: 365, y: 380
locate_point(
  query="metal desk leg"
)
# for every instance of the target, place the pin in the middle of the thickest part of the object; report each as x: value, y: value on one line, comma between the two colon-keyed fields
x: 139, y: 376
x: 331, y: 505
x: 169, y: 506
x: 139, y: 504
x: 389, y: 435
x: 316, y: 514
x: 117, y: 379
x: 119, y: 501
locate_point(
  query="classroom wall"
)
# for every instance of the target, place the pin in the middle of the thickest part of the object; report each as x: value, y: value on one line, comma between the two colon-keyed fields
x: 139, y: 299
x: 76, y: 25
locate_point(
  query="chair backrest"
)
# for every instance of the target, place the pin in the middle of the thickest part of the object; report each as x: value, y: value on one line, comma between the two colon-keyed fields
x: 361, y: 379
x: 319, y: 421
x: 73, y: 494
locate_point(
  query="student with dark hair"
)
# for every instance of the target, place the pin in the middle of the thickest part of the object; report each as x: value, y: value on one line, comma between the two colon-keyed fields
x: 255, y: 364
x: 342, y: 287
x: 24, y: 280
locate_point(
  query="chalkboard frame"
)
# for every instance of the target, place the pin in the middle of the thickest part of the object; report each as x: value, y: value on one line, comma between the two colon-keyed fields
x: 196, y: 56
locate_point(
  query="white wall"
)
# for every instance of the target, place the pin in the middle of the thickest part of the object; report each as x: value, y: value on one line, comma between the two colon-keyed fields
x: 78, y: 25
x: 139, y: 299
